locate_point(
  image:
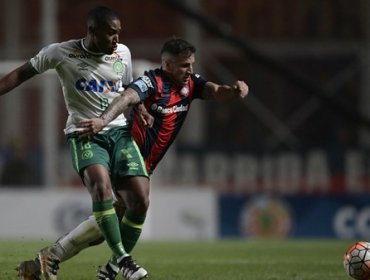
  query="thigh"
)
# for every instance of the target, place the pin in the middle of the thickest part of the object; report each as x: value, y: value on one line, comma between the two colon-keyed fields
x: 97, y: 180
x: 134, y: 192
x: 86, y: 152
x: 126, y: 161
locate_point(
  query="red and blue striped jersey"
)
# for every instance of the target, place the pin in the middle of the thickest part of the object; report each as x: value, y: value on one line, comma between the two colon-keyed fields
x: 169, y: 105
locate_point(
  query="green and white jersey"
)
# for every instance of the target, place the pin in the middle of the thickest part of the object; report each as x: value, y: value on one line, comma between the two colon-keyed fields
x: 90, y: 81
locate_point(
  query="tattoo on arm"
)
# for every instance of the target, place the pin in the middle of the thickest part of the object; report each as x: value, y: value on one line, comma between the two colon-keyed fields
x: 120, y: 104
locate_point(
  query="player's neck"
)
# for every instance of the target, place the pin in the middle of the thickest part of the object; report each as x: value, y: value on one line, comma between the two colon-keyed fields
x: 88, y: 45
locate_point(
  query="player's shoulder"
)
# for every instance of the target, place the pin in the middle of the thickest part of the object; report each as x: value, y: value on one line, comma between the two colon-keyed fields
x: 65, y: 45
x: 122, y: 48
x: 69, y: 43
x: 197, y: 78
x: 146, y: 82
x: 72, y: 43
x: 152, y: 76
x: 153, y: 72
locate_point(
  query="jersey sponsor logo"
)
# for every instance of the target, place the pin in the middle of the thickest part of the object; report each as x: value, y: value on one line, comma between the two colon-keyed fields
x: 112, y: 58
x: 171, y: 110
x: 79, y: 55
x: 98, y: 86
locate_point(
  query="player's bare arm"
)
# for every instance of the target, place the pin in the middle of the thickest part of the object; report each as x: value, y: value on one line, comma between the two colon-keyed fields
x: 213, y: 91
x: 16, y: 77
x: 119, y: 105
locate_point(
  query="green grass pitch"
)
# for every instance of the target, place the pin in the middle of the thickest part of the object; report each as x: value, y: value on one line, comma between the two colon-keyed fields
x: 203, y: 260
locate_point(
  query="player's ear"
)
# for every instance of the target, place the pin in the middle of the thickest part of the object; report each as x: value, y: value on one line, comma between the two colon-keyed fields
x: 167, y: 63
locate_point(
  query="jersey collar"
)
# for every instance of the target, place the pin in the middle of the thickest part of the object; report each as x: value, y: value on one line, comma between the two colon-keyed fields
x: 87, y: 50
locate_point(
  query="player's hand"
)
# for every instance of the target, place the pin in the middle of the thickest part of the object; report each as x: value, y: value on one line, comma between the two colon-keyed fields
x: 89, y: 127
x: 241, y: 88
x: 146, y: 119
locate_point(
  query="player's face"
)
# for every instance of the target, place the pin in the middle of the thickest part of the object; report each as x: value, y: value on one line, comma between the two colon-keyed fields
x: 106, y: 37
x: 180, y: 69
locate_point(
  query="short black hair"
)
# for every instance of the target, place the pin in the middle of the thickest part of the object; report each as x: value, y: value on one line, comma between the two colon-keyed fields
x: 100, y: 15
x: 176, y: 46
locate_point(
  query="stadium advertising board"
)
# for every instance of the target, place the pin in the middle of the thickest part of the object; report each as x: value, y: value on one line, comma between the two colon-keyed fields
x: 182, y: 214
x: 334, y: 216
x: 285, y: 173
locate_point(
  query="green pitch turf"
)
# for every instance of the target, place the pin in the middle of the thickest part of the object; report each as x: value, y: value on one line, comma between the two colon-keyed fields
x: 203, y: 260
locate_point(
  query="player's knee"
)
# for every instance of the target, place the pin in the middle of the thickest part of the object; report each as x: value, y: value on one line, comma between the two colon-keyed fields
x: 141, y: 205
x: 97, y: 180
x: 100, y: 190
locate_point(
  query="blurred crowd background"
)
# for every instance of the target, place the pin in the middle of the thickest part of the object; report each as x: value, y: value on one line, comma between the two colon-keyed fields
x: 302, y: 131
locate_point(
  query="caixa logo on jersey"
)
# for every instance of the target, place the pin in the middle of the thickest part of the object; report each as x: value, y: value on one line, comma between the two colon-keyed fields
x: 352, y: 222
x: 70, y: 214
x: 98, y: 86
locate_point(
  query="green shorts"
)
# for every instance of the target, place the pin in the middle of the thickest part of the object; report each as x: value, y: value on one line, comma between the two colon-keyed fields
x: 115, y: 149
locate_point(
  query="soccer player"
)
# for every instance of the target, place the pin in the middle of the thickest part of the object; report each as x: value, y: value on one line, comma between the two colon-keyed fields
x: 93, y: 71
x: 167, y: 94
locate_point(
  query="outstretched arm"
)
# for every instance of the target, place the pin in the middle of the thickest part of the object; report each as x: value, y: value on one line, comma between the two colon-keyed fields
x: 116, y: 107
x: 16, y: 77
x: 213, y: 91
